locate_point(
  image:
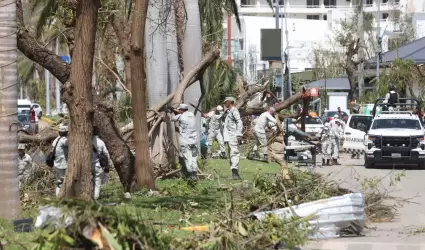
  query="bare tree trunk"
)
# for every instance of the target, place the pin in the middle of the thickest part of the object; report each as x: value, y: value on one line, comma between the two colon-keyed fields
x: 180, y: 14
x: 9, y: 192
x: 77, y: 94
x: 143, y: 164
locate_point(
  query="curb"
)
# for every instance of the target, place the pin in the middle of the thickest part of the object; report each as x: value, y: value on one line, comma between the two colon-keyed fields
x: 364, y: 246
x: 47, y: 120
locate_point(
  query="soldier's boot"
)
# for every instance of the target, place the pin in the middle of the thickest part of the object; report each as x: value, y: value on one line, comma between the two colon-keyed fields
x: 336, y: 162
x: 223, y: 155
x: 235, y: 174
x: 323, y: 162
x: 194, y: 175
x: 265, y: 158
x: 328, y: 162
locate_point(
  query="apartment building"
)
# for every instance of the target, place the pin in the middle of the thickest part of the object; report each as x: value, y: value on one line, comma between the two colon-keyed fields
x: 310, y: 24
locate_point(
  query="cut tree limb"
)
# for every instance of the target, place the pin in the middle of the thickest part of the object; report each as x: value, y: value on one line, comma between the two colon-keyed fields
x: 23, y: 138
x: 188, y: 80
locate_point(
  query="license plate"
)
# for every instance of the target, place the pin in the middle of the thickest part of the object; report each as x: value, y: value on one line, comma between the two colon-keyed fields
x: 396, y: 155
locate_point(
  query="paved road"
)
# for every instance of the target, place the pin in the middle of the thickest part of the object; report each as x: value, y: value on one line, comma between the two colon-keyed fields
x: 395, y: 235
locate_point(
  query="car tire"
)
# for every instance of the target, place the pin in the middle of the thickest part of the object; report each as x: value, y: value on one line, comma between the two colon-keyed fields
x: 367, y: 163
x: 421, y: 166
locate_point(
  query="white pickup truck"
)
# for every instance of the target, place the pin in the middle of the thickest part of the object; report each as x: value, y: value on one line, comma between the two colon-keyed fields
x: 395, y: 137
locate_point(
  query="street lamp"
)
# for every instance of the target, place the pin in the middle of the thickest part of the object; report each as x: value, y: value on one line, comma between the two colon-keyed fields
x: 379, y: 57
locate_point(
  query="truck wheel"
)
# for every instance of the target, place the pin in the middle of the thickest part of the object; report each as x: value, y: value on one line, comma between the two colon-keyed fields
x: 421, y: 166
x: 367, y: 163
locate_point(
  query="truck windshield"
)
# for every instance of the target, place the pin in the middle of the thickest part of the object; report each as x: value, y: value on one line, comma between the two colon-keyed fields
x: 396, y: 123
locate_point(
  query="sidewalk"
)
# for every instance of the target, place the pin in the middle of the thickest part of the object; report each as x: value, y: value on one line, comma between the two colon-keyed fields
x: 364, y: 246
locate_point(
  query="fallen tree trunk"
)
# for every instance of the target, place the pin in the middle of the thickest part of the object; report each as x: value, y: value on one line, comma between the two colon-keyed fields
x: 24, y: 138
x: 177, y: 95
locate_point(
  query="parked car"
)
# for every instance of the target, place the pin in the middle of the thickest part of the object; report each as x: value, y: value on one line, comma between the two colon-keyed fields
x: 26, y: 125
x: 313, y: 126
x: 329, y: 114
x: 38, y: 110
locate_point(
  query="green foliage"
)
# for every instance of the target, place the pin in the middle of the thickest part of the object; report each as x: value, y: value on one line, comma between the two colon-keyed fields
x: 219, y: 80
x: 213, y: 13
x: 128, y: 229
x: 124, y: 110
x: 405, y: 76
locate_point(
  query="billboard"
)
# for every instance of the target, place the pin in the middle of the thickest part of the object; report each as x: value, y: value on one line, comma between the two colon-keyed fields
x: 271, y: 44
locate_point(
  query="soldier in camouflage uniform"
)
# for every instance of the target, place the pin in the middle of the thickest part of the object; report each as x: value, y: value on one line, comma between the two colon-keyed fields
x: 233, y: 134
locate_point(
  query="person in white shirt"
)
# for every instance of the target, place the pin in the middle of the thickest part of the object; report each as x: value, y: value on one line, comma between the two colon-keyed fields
x: 24, y: 164
x: 97, y: 169
x: 265, y: 120
x: 60, y: 145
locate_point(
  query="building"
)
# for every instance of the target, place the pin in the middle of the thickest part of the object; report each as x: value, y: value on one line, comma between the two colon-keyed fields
x: 310, y: 23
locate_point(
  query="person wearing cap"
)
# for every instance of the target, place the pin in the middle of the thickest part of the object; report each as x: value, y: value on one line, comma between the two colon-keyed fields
x: 98, y: 172
x: 325, y: 141
x: 265, y: 119
x: 60, y: 144
x: 334, y: 135
x: 232, y: 134
x: 24, y: 164
x: 188, y: 138
x: 215, y: 129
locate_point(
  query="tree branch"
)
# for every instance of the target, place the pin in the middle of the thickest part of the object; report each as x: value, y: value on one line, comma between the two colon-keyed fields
x: 29, y: 46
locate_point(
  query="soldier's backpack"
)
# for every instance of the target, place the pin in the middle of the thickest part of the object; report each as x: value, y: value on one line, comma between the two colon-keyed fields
x: 393, y: 98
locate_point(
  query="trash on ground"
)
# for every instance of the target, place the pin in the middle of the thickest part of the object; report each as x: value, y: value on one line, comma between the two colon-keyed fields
x: 334, y: 216
x: 48, y: 215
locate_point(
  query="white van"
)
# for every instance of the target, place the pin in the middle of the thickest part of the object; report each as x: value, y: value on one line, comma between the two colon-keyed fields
x: 354, y: 132
x: 24, y: 105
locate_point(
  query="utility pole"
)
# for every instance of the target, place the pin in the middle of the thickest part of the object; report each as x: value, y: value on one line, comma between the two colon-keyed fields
x: 361, y: 47
x: 289, y: 86
x: 58, y: 86
x: 47, y: 82
x: 378, y: 38
x: 229, y: 40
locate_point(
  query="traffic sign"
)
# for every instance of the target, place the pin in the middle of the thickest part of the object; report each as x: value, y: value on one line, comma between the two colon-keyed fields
x: 66, y: 59
x: 314, y: 92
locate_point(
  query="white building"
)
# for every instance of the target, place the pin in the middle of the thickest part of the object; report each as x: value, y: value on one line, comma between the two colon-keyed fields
x: 310, y: 24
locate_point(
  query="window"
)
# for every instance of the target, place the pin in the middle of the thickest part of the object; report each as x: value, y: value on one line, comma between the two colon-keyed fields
x: 313, y: 4
x: 241, y: 44
x: 325, y: 17
x: 313, y: 17
x: 384, y: 1
x: 361, y: 123
x: 369, y: 2
x: 385, y: 15
x: 281, y: 2
x: 396, y: 123
x: 329, y: 3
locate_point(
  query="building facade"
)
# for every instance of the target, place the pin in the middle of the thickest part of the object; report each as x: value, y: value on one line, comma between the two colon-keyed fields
x: 310, y: 24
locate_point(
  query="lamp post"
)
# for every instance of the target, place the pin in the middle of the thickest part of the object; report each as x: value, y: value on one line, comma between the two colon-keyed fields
x: 379, y: 40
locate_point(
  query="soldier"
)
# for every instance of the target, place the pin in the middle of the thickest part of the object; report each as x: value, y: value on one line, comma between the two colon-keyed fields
x: 24, y: 164
x: 335, y: 135
x: 99, y: 148
x: 391, y: 98
x: 266, y: 119
x: 215, y: 130
x: 325, y: 141
x: 60, y: 145
x: 188, y: 138
x: 233, y: 134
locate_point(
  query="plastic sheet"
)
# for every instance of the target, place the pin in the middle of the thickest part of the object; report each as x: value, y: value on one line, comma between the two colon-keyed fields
x: 331, y: 215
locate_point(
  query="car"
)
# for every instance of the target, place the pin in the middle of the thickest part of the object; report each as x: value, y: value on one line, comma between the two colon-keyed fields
x: 313, y: 126
x: 38, y: 110
x: 395, y: 137
x: 329, y: 114
x: 25, y: 123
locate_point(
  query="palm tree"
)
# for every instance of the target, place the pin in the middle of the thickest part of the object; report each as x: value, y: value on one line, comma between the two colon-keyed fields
x: 9, y: 192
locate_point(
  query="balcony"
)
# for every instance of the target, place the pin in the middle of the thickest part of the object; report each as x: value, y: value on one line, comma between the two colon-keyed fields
x: 260, y: 7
